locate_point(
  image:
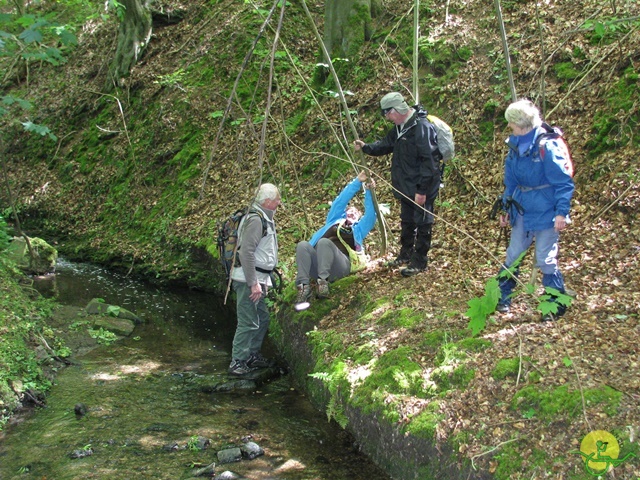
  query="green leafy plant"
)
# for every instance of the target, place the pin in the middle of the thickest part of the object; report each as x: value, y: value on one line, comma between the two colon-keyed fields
x: 552, y: 299
x: 481, y: 307
x: 14, y: 107
x: 63, y: 352
x: 193, y: 443
x: 174, y: 79
x: 117, y: 7
x: 102, y: 336
x: 607, y: 30
x: 333, y: 381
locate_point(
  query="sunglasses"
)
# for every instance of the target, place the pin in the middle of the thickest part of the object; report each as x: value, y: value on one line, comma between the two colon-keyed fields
x: 386, y: 111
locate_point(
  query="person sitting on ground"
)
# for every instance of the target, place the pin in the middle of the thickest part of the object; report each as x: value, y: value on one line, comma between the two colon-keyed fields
x: 336, y: 249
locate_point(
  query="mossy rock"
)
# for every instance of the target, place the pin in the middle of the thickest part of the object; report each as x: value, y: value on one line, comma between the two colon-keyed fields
x: 119, y: 326
x: 45, y: 256
x: 98, y: 307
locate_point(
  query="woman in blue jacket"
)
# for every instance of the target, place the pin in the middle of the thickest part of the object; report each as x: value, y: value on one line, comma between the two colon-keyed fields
x: 538, y: 190
x: 336, y: 249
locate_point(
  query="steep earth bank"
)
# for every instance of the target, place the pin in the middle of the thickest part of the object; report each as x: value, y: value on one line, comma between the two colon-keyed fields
x: 125, y: 188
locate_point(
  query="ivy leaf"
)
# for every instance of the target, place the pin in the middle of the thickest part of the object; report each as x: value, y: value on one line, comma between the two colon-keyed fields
x: 567, y: 362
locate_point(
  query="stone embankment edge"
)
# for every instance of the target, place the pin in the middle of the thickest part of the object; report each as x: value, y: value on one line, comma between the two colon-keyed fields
x: 402, y: 456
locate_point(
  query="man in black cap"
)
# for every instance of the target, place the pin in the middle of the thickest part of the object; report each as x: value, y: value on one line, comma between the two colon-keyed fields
x: 415, y: 177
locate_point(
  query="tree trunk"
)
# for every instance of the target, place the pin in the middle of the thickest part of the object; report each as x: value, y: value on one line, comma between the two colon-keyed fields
x: 347, y: 24
x: 133, y: 37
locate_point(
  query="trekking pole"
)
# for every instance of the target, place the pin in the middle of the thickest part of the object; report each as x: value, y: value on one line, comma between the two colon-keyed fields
x: 345, y: 107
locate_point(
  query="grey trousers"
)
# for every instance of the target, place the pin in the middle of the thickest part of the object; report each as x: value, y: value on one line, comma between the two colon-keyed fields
x: 253, y: 323
x: 325, y: 261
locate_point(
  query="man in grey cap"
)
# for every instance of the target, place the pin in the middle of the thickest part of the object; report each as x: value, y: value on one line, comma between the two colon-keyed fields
x: 415, y: 177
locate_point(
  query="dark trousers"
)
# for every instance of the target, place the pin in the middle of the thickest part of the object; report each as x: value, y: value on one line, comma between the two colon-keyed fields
x: 416, y: 226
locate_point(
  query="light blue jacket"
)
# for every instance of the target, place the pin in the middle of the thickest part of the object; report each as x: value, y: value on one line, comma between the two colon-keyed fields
x: 338, y: 212
x: 542, y: 186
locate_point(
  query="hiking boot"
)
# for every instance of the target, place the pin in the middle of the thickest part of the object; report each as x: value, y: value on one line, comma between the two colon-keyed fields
x: 304, y: 294
x: 239, y: 368
x: 411, y: 271
x: 323, y: 288
x: 256, y: 360
x: 503, y: 308
x: 399, y: 261
x: 303, y: 297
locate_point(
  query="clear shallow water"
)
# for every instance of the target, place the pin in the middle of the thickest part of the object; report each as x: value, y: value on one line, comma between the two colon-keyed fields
x: 145, y: 393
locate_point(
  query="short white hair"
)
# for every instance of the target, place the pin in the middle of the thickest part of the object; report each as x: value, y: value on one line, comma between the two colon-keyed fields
x: 267, y: 191
x: 523, y: 114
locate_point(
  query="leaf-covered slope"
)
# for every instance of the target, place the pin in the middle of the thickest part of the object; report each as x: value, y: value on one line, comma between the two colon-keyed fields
x: 123, y: 186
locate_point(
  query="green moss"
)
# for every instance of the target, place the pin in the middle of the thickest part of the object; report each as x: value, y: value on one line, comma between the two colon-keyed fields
x: 402, y: 296
x: 566, y: 71
x: 360, y: 354
x: 509, y: 461
x: 547, y: 404
x: 610, y: 130
x: 534, y: 377
x: 433, y: 340
x: 373, y: 308
x: 404, y: 317
x: 448, y: 377
x: 487, y: 129
x: 444, y: 60
x: 506, y: 367
x: 474, y: 344
x: 424, y: 424
x: 393, y: 374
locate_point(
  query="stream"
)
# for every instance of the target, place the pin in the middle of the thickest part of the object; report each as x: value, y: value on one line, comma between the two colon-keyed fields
x: 148, y: 414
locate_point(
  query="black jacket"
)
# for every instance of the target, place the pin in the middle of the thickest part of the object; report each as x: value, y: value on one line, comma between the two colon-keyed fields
x: 415, y: 165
